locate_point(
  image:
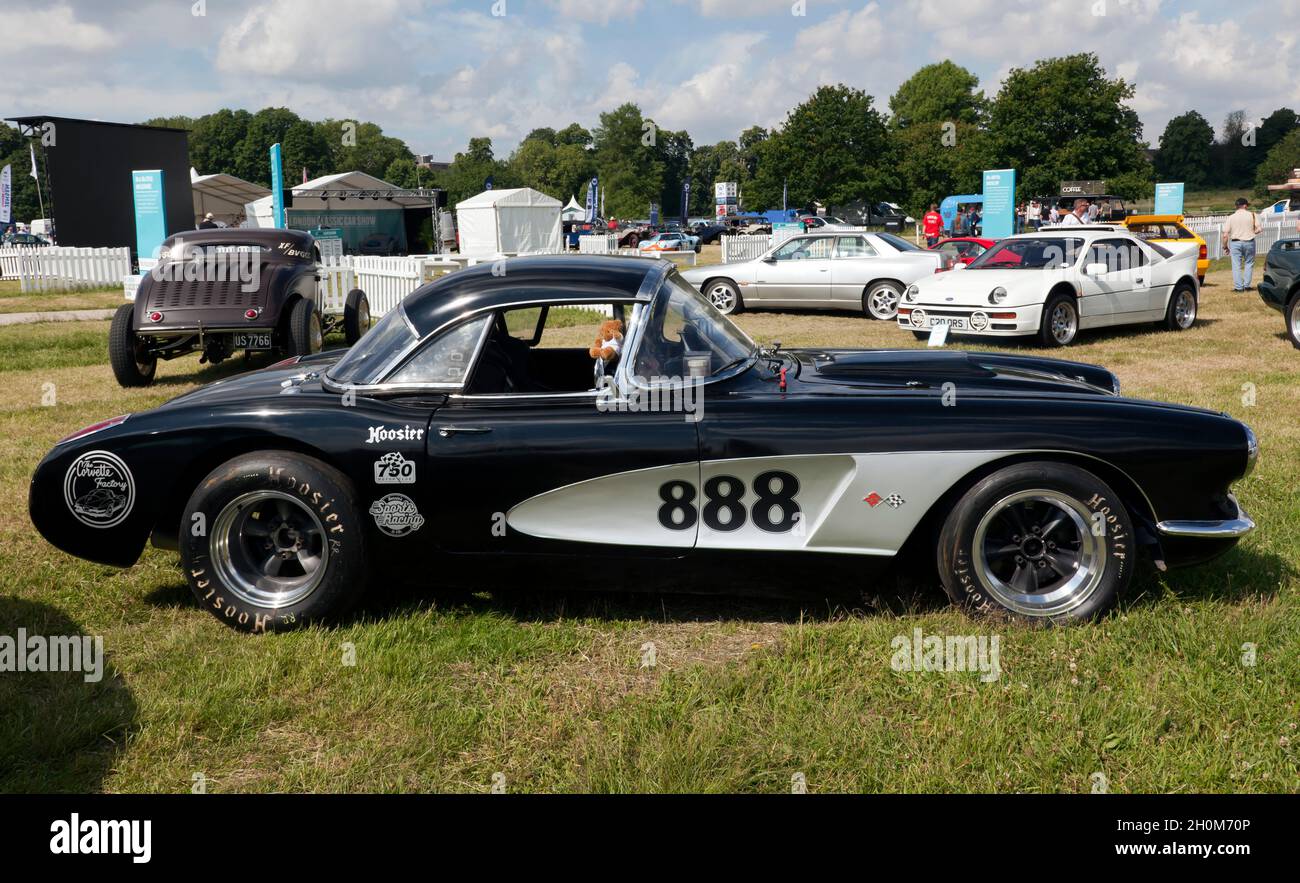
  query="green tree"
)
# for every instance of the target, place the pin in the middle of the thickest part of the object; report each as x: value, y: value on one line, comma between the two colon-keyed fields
x: 938, y: 93
x: 833, y: 148
x: 935, y: 161
x: 470, y: 169
x: 215, y: 141
x: 1064, y: 119
x: 1233, y: 154
x: 1276, y: 126
x: 301, y: 144
x: 15, y: 153
x: 573, y: 134
x: 560, y: 171
x: 1185, y: 150
x: 629, y: 161
x: 1276, y: 168
x: 359, y: 146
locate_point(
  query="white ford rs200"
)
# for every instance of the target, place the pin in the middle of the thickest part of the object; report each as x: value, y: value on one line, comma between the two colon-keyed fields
x: 1052, y: 284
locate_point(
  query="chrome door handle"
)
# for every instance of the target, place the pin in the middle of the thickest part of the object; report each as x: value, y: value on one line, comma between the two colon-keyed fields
x: 449, y: 431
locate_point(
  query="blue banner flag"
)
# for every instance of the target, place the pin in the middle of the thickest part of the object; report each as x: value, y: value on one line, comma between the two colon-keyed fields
x: 150, y: 212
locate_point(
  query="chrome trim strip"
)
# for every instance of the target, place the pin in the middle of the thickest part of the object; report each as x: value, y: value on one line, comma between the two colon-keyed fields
x: 1214, y: 530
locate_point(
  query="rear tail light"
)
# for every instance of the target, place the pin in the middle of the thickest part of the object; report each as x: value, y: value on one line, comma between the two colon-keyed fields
x: 92, y: 428
x: 250, y: 314
x: 1204, y: 253
x: 155, y: 316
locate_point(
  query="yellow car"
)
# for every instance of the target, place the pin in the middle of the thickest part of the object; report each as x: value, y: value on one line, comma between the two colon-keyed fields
x: 1170, y: 229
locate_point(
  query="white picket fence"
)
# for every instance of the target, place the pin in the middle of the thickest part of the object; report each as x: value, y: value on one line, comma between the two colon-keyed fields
x: 60, y: 268
x: 744, y: 247
x: 598, y: 243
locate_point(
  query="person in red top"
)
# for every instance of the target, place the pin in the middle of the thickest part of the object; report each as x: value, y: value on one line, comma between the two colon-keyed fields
x: 932, y: 225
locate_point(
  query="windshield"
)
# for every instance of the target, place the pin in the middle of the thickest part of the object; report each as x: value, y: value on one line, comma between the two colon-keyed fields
x: 682, y: 330
x: 1035, y: 253
x: 376, y: 352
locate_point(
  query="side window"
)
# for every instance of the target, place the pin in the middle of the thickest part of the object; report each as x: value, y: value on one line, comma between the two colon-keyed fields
x: 523, y: 324
x: 446, y: 360
x: 853, y: 247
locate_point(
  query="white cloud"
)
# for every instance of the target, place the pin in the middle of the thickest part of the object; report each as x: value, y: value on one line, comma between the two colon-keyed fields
x: 53, y: 28
x: 597, y: 11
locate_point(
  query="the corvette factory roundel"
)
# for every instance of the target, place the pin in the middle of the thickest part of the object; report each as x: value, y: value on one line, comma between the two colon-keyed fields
x: 99, y: 489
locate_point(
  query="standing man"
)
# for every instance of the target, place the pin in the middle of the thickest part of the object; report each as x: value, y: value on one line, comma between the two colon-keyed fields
x: 1077, y: 215
x: 932, y: 225
x: 1239, y: 232
x: 207, y: 223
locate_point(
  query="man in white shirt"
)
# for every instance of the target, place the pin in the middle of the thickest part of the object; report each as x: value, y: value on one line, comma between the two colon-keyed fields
x: 1239, y: 232
x: 1076, y: 216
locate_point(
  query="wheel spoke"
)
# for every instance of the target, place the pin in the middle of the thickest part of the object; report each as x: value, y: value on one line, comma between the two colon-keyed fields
x: 1003, y: 551
x: 1052, y: 525
x: 1024, y: 580
x: 1063, y: 563
x: 308, y: 560
x: 255, y: 528
x: 271, y: 566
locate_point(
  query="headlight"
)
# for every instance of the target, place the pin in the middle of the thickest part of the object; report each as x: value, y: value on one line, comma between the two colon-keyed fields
x: 997, y: 295
x: 911, y: 293
x: 1252, y: 450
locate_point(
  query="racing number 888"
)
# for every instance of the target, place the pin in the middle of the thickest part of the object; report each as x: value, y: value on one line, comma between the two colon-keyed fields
x: 775, y: 509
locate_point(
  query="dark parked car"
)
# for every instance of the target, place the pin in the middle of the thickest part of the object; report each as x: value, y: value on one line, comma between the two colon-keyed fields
x: 378, y: 244
x: 709, y: 233
x: 1280, y: 287
x: 25, y: 240
x: 466, y: 436
x: 219, y: 291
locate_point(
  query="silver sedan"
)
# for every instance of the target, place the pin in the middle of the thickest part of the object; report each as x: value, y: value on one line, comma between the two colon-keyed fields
x: 838, y: 270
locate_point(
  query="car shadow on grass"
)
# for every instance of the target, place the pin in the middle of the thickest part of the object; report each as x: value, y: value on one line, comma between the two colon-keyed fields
x: 58, y: 732
x: 1239, y: 576
x: 676, y: 591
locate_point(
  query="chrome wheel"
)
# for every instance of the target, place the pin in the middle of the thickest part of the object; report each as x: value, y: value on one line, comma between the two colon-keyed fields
x: 882, y: 301
x: 1184, y: 308
x: 269, y: 549
x: 1293, y: 323
x: 363, y: 315
x: 1064, y: 323
x: 722, y: 296
x: 1035, y: 552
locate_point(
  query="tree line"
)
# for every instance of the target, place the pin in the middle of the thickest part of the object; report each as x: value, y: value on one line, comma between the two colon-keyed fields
x: 1059, y: 119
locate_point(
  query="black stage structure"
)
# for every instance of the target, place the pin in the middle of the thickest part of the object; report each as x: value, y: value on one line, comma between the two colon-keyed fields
x: 87, y: 176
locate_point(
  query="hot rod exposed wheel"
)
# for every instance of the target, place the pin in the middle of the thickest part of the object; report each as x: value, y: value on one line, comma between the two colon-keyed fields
x: 1293, y: 321
x: 880, y: 301
x: 305, y: 334
x: 131, y: 366
x: 271, y: 541
x: 724, y: 295
x: 356, y: 316
x: 1181, y: 313
x: 1048, y: 542
x: 1060, y: 323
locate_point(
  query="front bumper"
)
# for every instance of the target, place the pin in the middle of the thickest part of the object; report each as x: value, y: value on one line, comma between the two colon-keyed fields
x: 1228, y: 528
x: 1027, y: 318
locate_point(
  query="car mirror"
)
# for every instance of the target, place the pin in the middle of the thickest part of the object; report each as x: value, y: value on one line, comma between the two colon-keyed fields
x: 770, y: 259
x: 1096, y: 270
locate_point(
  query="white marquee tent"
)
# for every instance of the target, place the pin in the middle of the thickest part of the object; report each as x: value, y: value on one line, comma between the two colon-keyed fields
x: 573, y: 212
x: 517, y: 221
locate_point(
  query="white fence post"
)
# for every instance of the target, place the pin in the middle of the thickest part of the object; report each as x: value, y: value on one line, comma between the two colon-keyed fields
x: 51, y: 268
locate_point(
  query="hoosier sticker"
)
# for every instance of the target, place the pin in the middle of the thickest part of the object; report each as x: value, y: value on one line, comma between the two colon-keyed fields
x: 396, y: 515
x: 99, y: 489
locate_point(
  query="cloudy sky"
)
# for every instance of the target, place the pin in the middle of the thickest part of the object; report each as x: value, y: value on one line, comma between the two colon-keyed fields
x: 436, y: 72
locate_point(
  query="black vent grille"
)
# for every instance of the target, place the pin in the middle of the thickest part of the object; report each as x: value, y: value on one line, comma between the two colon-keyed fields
x: 179, y: 295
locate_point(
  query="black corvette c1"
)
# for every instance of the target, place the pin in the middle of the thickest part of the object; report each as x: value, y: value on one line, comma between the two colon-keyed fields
x: 220, y: 291
x: 455, y: 428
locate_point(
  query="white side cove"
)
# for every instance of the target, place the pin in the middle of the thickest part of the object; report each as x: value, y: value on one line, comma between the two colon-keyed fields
x: 864, y: 504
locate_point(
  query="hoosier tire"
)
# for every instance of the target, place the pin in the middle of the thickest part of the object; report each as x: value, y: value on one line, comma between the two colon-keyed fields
x: 272, y: 541
x: 356, y: 316
x: 130, y: 367
x: 1046, y: 542
x: 304, y: 330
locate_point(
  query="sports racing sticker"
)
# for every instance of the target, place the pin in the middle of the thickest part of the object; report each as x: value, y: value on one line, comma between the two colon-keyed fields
x: 396, y: 515
x: 99, y: 489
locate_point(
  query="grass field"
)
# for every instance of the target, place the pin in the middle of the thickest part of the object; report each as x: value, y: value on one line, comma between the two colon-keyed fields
x: 452, y: 686
x: 12, y: 300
